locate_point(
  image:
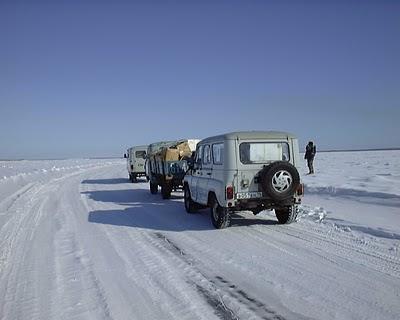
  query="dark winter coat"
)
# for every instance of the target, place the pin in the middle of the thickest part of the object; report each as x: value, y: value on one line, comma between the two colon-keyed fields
x: 311, y: 150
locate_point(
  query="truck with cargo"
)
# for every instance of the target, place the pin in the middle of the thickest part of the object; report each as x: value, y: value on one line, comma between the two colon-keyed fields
x: 166, y: 164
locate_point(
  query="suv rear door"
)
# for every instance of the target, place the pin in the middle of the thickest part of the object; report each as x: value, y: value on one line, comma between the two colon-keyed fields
x: 253, y: 156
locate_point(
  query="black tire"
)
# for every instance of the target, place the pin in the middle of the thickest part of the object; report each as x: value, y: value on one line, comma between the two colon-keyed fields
x: 220, y: 216
x: 130, y: 177
x: 166, y: 190
x: 153, y: 188
x: 134, y: 178
x: 287, y: 214
x: 190, y: 205
x: 280, y: 180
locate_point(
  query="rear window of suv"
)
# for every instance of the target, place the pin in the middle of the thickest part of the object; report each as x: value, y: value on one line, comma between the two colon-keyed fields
x: 262, y: 152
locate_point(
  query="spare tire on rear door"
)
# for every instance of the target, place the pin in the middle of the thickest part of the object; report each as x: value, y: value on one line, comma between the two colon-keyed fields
x: 279, y: 180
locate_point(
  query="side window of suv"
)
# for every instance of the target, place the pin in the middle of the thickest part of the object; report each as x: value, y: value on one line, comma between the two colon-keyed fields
x: 207, y: 154
x: 199, y: 153
x: 218, y: 153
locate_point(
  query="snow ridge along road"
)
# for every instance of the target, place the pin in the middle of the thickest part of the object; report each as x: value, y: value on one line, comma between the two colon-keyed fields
x: 84, y: 243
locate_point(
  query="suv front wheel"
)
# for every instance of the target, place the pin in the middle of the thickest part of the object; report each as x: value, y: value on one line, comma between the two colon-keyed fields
x: 220, y: 216
x: 190, y: 205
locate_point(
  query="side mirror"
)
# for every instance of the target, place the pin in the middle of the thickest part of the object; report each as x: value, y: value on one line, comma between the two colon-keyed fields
x: 190, y: 164
x: 125, y: 156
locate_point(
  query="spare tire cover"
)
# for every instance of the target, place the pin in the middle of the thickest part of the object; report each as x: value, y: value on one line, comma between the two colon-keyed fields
x: 279, y: 180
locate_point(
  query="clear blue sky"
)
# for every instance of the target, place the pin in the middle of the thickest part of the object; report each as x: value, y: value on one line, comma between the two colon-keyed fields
x: 91, y: 78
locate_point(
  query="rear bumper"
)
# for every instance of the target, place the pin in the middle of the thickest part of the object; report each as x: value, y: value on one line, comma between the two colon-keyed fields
x: 140, y: 173
x: 265, y: 203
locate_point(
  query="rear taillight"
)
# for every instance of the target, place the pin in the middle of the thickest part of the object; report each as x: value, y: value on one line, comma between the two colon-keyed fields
x: 300, y: 189
x: 229, y: 193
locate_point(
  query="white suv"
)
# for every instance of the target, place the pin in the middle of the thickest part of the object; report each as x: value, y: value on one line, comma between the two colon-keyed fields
x: 254, y: 170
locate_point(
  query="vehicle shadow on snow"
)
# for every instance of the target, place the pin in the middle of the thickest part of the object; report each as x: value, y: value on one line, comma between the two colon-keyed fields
x: 106, y: 181
x: 148, y: 211
x: 247, y: 219
x: 144, y: 210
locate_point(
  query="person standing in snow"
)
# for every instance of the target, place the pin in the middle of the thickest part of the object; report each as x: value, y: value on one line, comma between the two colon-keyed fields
x: 311, y: 150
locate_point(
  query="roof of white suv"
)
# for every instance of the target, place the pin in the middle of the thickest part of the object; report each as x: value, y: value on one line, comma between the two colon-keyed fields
x: 262, y: 135
x: 138, y: 148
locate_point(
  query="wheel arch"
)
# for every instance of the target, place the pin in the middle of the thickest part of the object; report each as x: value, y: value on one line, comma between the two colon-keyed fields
x: 210, y: 198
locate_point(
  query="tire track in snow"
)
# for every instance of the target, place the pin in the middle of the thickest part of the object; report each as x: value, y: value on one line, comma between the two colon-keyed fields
x: 292, y: 266
x: 346, y: 268
x: 22, y: 209
x: 78, y: 292
x: 7, y: 203
x: 347, y: 246
x: 19, y: 299
x: 325, y: 246
x: 20, y: 276
x: 227, y: 299
x: 14, y: 225
x: 160, y: 283
x: 137, y: 301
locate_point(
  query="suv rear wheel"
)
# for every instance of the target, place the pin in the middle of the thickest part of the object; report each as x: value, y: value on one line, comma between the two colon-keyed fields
x: 286, y: 215
x: 220, y: 216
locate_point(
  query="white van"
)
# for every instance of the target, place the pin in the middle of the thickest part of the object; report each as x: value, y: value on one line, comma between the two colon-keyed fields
x: 136, y: 157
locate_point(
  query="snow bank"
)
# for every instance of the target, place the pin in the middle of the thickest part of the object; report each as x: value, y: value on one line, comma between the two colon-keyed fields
x: 15, y: 175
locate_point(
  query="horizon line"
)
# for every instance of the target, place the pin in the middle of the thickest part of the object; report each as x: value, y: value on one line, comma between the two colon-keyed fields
x: 116, y: 157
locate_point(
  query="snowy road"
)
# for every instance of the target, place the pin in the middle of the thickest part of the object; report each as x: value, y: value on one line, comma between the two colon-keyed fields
x: 85, y: 243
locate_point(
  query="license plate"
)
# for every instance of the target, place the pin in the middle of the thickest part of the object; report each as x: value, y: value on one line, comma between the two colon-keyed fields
x: 248, y: 195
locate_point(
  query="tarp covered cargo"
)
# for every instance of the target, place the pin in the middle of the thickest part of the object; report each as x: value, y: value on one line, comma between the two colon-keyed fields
x: 175, y: 152
x: 157, y: 146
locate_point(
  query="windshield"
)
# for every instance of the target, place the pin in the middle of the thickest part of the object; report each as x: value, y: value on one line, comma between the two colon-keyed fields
x: 262, y: 152
x: 140, y: 154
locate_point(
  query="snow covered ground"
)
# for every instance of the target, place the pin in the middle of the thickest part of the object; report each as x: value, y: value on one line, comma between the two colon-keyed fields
x: 78, y: 241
